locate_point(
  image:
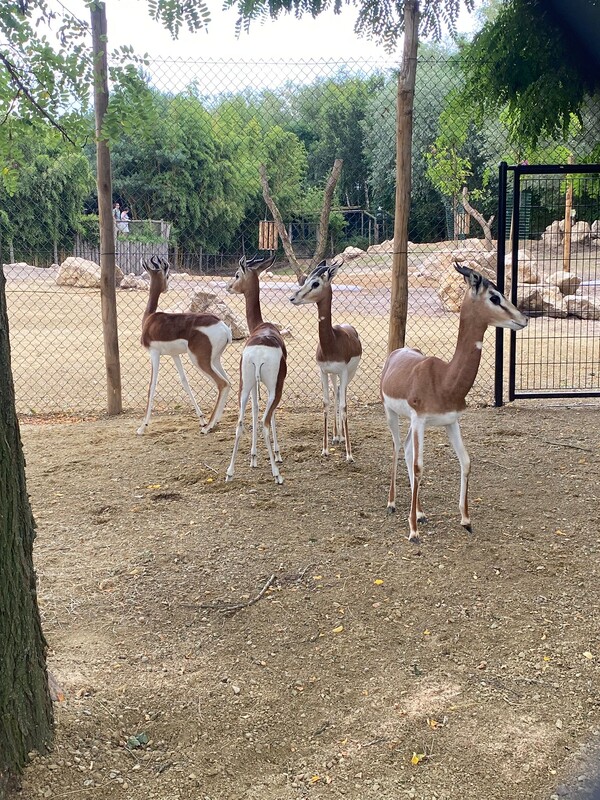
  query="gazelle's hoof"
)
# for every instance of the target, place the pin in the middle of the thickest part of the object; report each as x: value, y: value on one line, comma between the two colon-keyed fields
x: 325, y: 453
x: 391, y: 509
x: 278, y: 457
x: 228, y: 478
x: 253, y: 461
x: 414, y: 537
x: 421, y: 518
x: 141, y: 430
x: 278, y: 479
x: 206, y: 428
x: 350, y: 459
x: 467, y: 526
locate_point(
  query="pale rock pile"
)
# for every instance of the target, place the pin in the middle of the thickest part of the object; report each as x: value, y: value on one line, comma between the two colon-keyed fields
x: 133, y: 281
x: 82, y: 273
x: 582, y: 232
x: 203, y: 302
x: 561, y: 296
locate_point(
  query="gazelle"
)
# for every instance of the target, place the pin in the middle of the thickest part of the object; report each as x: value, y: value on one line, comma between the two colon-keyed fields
x: 338, y: 353
x: 202, y: 336
x: 432, y: 392
x: 264, y: 360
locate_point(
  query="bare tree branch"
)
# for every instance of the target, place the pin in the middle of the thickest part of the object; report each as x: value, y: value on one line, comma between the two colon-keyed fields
x: 279, y: 224
x: 486, y: 226
x: 332, y: 180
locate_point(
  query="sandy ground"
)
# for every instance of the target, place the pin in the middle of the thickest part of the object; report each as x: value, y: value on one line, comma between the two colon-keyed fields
x: 246, y: 640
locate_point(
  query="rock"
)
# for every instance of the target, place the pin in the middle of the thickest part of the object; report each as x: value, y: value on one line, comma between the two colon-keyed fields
x: 527, y: 272
x: 581, y: 233
x: 82, y: 273
x: 386, y: 246
x: 133, y: 281
x: 595, y: 229
x: 201, y: 300
x: 239, y: 329
x: 565, y: 282
x: 553, y: 235
x: 582, y: 307
x: 541, y: 299
x: 452, y: 286
x: 352, y: 252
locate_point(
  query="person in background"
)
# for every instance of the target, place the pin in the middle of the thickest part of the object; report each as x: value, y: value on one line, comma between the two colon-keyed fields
x: 116, y: 212
x: 123, y: 223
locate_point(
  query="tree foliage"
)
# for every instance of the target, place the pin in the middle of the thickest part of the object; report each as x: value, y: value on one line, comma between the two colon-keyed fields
x: 530, y: 60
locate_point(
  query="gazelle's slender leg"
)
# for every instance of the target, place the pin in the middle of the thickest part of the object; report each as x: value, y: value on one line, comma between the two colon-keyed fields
x: 325, y: 385
x: 274, y: 470
x: 457, y: 443
x: 254, y: 448
x: 276, y: 451
x: 344, y: 415
x: 394, y: 426
x: 337, y: 432
x: 418, y: 429
x: 186, y: 386
x: 155, y: 362
x: 238, y: 433
x: 408, y: 458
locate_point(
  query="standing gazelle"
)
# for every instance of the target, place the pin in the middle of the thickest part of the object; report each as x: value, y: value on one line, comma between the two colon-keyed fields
x: 202, y: 336
x: 338, y: 353
x: 432, y: 392
x: 264, y: 360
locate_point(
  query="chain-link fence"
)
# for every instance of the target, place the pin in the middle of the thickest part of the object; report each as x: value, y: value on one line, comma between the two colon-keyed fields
x: 190, y: 182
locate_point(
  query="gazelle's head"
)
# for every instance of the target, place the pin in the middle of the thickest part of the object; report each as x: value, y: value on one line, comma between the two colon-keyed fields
x: 158, y: 269
x: 316, y: 284
x: 247, y: 272
x: 490, y: 305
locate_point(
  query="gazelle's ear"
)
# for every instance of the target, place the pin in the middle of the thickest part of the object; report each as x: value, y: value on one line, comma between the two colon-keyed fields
x: 472, y: 278
x: 302, y: 278
x: 332, y: 269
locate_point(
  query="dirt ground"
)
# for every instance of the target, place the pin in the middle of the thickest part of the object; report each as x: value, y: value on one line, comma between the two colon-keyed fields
x: 246, y: 640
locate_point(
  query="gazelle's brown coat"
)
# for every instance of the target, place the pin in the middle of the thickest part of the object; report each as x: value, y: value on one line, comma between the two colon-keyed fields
x: 431, y: 392
x: 202, y: 336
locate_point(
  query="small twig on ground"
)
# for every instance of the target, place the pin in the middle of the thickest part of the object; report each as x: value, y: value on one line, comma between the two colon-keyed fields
x: 212, y: 469
x: 571, y: 446
x: 230, y: 609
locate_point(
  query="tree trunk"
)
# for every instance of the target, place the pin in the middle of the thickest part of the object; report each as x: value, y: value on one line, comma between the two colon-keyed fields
x: 281, y: 230
x: 108, y: 297
x: 322, y: 237
x: 25, y: 707
x: 404, y: 127
x: 485, y: 225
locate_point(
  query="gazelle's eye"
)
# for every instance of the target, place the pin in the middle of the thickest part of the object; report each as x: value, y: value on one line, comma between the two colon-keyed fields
x: 495, y: 299
x: 315, y: 285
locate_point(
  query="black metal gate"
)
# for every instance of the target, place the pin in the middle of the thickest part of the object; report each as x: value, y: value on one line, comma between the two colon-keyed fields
x: 549, y: 247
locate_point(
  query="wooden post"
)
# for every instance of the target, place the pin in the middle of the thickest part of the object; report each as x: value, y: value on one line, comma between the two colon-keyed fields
x: 568, y: 223
x: 404, y: 128
x: 108, y: 295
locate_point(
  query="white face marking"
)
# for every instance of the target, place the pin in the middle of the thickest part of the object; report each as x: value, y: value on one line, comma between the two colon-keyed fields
x: 479, y: 345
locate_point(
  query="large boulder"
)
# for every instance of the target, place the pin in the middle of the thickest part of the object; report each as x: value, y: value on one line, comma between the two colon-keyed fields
x: 452, y: 286
x: 566, y: 282
x: 133, y: 281
x: 203, y: 302
x: 351, y: 253
x: 583, y: 307
x: 595, y: 229
x: 82, y: 273
x: 541, y: 299
x: 581, y: 233
x: 553, y: 235
x: 386, y: 246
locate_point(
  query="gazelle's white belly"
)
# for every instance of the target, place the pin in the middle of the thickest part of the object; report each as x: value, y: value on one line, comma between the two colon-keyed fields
x: 402, y: 408
x: 340, y: 367
x: 177, y: 347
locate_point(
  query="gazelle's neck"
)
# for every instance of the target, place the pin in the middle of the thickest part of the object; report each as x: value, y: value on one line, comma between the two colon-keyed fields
x: 155, y: 291
x: 326, y: 337
x: 463, y: 368
x: 253, y: 312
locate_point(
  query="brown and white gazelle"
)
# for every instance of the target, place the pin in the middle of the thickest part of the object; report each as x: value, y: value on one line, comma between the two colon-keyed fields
x: 202, y: 336
x: 338, y: 353
x: 264, y: 360
x: 432, y: 392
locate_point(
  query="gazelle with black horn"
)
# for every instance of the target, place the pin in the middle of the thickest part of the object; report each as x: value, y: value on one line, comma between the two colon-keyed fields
x: 264, y: 360
x: 338, y: 353
x: 203, y: 337
x: 431, y: 392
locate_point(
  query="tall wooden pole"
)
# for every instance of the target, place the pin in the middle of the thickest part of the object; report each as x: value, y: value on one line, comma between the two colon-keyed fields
x: 404, y: 128
x: 108, y: 293
x: 568, y: 222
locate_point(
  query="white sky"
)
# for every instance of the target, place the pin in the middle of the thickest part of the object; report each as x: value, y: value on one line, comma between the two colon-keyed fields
x: 328, y: 36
